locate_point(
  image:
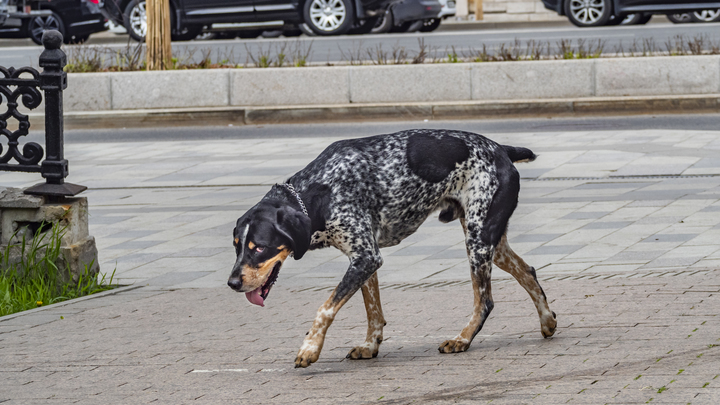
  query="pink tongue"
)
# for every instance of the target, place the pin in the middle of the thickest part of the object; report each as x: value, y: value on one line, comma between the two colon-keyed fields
x: 254, y: 297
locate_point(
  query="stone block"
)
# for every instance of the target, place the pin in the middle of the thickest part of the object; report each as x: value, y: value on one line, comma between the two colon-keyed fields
x: 532, y: 80
x: 170, y: 89
x: 87, y: 92
x: 524, y: 7
x: 657, y: 76
x: 410, y: 83
x: 289, y: 86
x: 22, y: 217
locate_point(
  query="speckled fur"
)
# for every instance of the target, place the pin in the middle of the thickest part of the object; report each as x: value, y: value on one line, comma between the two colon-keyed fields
x: 376, y: 199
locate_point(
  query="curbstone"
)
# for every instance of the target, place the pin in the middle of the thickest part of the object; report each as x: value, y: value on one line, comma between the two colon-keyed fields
x: 170, y: 89
x: 532, y: 80
x: 657, y: 76
x: 88, y: 92
x: 410, y: 83
x: 289, y: 86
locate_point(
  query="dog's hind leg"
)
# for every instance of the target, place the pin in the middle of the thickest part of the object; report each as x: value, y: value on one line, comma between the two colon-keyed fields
x: 480, y: 256
x: 376, y: 321
x: 509, y: 261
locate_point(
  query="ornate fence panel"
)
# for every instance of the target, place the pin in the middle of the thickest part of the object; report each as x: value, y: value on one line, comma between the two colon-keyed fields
x: 24, y: 85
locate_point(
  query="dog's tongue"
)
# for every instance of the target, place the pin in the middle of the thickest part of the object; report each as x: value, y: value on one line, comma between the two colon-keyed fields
x: 254, y: 297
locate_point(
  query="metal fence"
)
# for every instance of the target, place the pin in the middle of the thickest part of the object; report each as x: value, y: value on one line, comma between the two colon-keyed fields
x: 25, y: 85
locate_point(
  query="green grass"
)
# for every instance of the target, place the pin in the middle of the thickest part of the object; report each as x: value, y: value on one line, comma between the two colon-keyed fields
x: 37, y: 281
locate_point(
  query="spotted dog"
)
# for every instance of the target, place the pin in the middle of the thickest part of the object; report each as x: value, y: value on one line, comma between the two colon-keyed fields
x: 361, y: 195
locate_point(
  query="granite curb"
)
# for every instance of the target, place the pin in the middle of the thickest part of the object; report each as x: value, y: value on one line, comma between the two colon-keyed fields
x: 254, y: 115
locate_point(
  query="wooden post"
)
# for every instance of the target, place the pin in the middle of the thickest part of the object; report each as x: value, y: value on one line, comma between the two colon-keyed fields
x: 479, y: 10
x: 157, y: 37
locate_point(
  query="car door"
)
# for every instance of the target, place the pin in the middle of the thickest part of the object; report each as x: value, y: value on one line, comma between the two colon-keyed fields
x: 272, y: 10
x: 217, y: 11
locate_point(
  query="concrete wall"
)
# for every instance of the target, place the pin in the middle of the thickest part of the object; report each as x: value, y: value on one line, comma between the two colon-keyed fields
x: 507, y: 11
x: 689, y: 75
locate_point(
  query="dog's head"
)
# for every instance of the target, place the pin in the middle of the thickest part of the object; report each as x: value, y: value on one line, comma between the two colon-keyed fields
x: 264, y: 237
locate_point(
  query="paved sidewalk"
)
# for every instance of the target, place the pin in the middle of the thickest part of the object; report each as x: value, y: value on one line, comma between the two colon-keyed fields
x: 623, y: 227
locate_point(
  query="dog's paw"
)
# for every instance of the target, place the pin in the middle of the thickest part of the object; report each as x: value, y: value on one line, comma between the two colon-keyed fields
x: 365, y: 351
x: 547, y: 327
x: 456, y: 345
x: 306, y: 356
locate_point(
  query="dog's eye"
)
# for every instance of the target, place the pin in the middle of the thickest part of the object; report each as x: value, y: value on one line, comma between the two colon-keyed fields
x: 259, y: 249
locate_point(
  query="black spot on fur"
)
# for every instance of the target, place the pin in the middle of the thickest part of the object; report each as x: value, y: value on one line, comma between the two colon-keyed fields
x: 504, y: 201
x: 432, y: 158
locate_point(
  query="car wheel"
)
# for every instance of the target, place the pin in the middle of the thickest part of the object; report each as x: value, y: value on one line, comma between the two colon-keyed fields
x: 38, y: 25
x: 588, y: 13
x: 383, y: 24
x: 135, y: 20
x: 306, y: 30
x: 430, y: 25
x: 329, y: 17
x: 679, y: 18
x: 705, y: 16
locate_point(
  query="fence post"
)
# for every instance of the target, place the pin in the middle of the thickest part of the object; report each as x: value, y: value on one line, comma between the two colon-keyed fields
x: 53, y: 80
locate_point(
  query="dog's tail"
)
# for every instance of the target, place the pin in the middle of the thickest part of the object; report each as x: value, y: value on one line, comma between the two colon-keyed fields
x: 518, y: 154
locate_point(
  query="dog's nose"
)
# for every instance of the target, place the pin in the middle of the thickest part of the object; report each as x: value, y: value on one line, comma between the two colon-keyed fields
x: 235, y: 283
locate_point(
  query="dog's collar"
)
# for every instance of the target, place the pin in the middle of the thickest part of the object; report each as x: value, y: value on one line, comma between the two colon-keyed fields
x: 297, y: 196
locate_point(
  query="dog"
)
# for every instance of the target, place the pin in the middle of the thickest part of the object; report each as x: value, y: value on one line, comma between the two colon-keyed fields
x: 360, y: 195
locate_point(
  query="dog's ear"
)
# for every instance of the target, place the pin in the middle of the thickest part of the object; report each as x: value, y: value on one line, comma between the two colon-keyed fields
x: 295, y: 226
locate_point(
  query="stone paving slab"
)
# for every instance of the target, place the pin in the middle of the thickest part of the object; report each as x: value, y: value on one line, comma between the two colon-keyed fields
x: 639, y: 340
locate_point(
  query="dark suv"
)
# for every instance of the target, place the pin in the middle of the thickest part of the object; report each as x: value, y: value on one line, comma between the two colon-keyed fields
x: 324, y: 17
x: 593, y: 13
x: 75, y: 19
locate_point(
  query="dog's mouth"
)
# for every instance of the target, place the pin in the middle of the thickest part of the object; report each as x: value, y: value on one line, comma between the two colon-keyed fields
x: 259, y: 295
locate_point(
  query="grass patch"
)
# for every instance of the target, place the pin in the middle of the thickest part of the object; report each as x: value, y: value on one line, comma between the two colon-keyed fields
x: 36, y: 280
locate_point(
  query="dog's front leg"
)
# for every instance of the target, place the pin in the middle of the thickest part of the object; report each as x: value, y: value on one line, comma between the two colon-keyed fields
x: 362, y: 267
x: 376, y: 322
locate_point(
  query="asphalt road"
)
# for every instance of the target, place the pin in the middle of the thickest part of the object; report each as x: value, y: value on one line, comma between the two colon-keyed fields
x: 438, y: 44
x: 707, y: 122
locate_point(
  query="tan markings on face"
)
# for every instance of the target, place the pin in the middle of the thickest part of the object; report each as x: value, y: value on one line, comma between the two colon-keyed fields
x: 237, y: 240
x: 251, y: 245
x: 256, y: 277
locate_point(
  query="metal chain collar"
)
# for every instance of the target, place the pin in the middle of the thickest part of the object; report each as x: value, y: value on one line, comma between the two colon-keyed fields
x: 297, y: 196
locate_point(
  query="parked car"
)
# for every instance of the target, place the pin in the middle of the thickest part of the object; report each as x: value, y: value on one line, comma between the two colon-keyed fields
x: 695, y: 16
x: 252, y: 17
x: 75, y: 19
x: 593, y: 13
x: 407, y: 16
x: 448, y: 10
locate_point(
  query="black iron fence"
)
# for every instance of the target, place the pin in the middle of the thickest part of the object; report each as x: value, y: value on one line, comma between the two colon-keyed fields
x: 25, y: 85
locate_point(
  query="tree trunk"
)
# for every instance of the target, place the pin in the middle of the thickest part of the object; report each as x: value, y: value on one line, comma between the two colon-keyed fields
x: 157, y: 37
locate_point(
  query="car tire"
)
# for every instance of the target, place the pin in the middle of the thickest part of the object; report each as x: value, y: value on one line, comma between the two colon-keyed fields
x: 135, y: 20
x: 306, y: 30
x: 384, y: 24
x: 37, y: 26
x: 705, y: 16
x: 329, y: 17
x: 593, y: 13
x: 679, y: 18
x: 430, y: 25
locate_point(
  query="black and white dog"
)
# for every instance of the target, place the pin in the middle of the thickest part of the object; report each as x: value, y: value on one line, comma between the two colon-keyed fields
x: 361, y: 195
